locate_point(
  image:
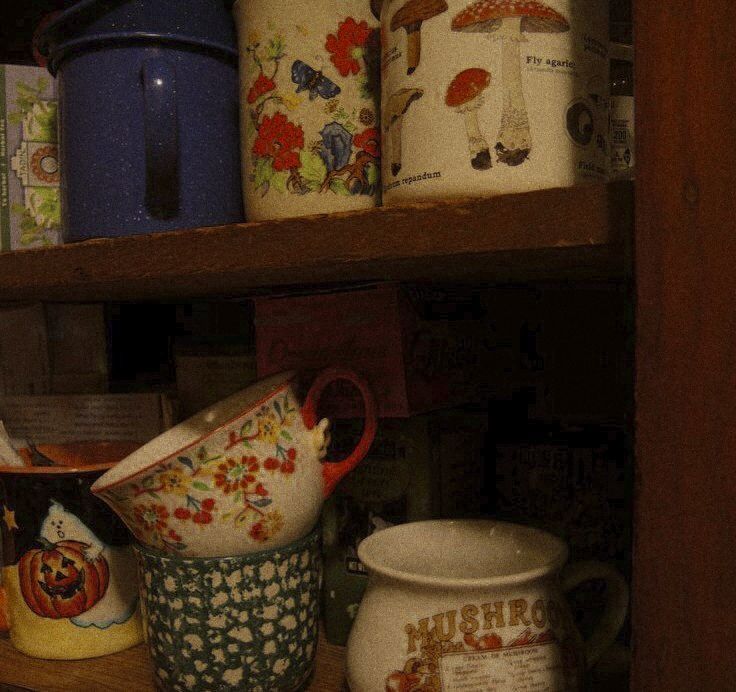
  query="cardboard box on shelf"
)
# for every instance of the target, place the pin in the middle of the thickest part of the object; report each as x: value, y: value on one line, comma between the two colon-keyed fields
x: 202, y: 380
x: 418, y: 352
x: 58, y: 348
x: 24, y: 358
x: 418, y: 468
x: 29, y: 159
x: 77, y: 343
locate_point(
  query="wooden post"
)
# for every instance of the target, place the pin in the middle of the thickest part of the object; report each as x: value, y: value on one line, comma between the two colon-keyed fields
x: 685, y: 259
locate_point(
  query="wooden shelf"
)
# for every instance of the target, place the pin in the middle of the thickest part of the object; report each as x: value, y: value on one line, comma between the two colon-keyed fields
x: 581, y: 232
x: 127, y: 670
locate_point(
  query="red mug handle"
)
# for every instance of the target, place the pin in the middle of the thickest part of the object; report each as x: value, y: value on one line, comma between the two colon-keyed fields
x: 334, y: 471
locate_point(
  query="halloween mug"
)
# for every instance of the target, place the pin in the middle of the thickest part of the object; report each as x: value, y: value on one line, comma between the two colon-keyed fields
x: 69, y: 578
x: 474, y: 605
x: 310, y: 136
x: 241, y: 476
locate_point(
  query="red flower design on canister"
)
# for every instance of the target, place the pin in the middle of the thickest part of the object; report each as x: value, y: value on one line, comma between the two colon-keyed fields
x: 348, y: 47
x: 281, y: 140
x: 261, y: 86
x: 369, y: 141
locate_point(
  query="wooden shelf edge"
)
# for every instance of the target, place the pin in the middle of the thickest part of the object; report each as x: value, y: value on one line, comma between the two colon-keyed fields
x: 557, y: 228
x: 129, y: 670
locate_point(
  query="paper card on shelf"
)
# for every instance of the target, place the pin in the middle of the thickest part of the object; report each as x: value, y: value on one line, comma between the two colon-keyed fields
x: 30, y: 213
x: 75, y: 418
x: 202, y: 380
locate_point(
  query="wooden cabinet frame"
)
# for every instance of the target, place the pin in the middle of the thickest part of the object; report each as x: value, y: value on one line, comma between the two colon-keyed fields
x: 684, y: 586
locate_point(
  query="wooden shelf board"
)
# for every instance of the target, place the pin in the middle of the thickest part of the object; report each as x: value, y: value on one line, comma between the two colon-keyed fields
x: 127, y: 670
x: 552, y: 233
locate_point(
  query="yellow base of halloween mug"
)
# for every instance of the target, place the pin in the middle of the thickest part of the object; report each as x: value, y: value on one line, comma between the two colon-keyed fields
x: 69, y: 585
x: 472, y: 606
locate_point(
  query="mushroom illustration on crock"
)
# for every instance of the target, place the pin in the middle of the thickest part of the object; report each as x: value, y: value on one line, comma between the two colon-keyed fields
x: 410, y: 17
x: 465, y: 95
x: 507, y: 21
x: 398, y: 104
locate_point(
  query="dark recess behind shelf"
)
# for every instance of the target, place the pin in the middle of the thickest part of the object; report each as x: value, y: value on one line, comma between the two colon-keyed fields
x: 19, y: 18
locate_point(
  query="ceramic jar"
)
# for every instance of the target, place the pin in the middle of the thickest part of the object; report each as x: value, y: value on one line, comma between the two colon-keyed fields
x: 309, y: 106
x: 474, y: 606
x: 246, y: 474
x: 485, y: 97
x: 235, y: 623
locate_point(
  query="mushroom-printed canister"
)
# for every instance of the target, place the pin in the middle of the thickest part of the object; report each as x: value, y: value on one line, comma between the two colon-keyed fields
x: 309, y: 106
x: 486, y: 97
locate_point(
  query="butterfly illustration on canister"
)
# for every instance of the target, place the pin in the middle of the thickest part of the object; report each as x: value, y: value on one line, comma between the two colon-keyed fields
x: 306, y: 77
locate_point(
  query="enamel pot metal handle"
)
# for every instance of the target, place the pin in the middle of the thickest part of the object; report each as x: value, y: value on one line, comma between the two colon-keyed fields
x: 334, y: 471
x: 617, y: 604
x: 161, y: 134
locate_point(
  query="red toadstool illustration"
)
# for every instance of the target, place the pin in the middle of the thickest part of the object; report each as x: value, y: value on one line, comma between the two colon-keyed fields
x: 410, y: 17
x: 465, y: 95
x: 507, y: 20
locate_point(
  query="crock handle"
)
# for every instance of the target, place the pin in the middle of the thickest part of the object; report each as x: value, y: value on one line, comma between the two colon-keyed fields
x: 161, y: 135
x: 617, y: 604
x: 334, y: 471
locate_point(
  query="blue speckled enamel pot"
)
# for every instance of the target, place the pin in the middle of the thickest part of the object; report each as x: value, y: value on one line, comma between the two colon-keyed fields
x: 232, y: 623
x: 148, y: 116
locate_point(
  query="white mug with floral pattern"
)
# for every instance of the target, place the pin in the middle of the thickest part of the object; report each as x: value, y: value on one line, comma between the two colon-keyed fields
x: 244, y: 475
x: 310, y: 136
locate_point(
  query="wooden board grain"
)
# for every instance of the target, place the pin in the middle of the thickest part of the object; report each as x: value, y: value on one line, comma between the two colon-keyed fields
x: 545, y: 233
x: 685, y: 561
x: 128, y: 671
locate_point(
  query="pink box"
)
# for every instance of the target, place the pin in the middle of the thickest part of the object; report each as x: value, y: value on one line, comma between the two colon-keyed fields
x: 414, y: 364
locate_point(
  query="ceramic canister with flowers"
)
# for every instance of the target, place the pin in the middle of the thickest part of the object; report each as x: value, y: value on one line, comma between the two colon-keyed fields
x: 309, y: 75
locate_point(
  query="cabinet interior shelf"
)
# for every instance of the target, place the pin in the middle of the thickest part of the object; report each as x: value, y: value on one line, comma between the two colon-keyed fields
x: 577, y: 232
x: 128, y: 670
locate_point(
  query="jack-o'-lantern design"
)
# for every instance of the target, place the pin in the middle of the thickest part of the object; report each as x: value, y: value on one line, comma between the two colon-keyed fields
x: 59, y: 580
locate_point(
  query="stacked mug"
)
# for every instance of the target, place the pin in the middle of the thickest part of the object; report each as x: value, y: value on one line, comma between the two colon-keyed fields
x: 225, y: 510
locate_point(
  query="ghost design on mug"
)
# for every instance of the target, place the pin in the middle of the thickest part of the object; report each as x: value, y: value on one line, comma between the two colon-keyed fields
x: 119, y: 601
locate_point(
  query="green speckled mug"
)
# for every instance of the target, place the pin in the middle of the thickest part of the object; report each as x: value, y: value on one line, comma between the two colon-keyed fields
x: 232, y: 623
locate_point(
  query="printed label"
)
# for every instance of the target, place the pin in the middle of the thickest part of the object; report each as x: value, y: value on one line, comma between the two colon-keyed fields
x: 471, y: 649
x: 622, y: 134
x: 535, y: 667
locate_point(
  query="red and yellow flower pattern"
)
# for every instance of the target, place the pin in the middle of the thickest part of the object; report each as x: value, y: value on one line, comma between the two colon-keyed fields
x: 229, y: 487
